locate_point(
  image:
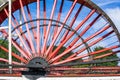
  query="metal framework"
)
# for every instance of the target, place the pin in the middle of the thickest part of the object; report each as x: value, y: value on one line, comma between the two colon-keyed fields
x: 57, y: 38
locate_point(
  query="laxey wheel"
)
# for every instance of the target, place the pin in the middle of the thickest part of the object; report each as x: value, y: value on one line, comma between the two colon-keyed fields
x: 58, y: 38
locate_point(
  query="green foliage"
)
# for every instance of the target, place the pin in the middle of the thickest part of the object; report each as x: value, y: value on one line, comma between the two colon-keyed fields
x: 61, y: 51
x: 4, y: 54
x: 69, y: 54
x: 108, y: 57
x: 102, y: 53
x: 88, y: 65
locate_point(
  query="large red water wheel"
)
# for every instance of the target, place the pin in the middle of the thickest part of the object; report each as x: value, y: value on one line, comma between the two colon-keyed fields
x: 59, y: 38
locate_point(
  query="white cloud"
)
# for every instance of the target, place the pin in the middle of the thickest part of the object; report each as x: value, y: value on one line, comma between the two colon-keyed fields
x: 108, y: 2
x: 114, y: 14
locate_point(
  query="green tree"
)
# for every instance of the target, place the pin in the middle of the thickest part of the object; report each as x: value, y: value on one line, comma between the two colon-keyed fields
x: 62, y: 50
x: 4, y: 54
x: 95, y: 55
x: 113, y: 56
x: 107, y: 57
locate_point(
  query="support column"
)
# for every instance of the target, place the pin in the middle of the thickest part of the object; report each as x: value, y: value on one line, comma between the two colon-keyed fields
x: 10, y: 36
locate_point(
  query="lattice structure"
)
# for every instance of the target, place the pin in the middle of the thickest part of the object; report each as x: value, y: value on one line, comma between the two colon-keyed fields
x: 58, y: 38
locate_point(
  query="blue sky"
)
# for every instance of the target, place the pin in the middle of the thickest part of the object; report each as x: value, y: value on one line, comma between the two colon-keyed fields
x: 112, y: 8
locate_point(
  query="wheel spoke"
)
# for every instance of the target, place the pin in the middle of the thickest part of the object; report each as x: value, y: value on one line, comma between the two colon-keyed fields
x: 14, y: 54
x: 73, y: 20
x: 18, y: 32
x: 38, y: 28
x: 32, y: 24
x: 75, y: 54
x: 45, y: 27
x: 82, y: 33
x: 52, y: 43
x: 29, y: 35
x: 48, y: 30
x: 13, y: 62
x: 24, y: 53
x: 58, y: 19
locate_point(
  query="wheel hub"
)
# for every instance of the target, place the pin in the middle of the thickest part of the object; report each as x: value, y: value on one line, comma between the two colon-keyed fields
x: 37, y: 66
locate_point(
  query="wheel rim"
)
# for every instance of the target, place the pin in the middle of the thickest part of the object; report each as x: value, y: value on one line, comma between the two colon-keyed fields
x: 49, y: 33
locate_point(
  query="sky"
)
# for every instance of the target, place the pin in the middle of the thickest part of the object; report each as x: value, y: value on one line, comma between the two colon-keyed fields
x: 112, y: 8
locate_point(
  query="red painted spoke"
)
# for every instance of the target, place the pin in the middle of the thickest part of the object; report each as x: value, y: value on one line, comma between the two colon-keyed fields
x: 32, y: 24
x: 17, y: 29
x: 21, y: 31
x: 17, y: 46
x: 97, y: 52
x: 20, y: 49
x: 73, y: 56
x: 108, y: 54
x: 38, y: 28
x: 21, y: 39
x: 83, y: 32
x: 101, y: 56
x: 5, y: 60
x: 14, y: 54
x: 58, y: 19
x: 79, y: 44
x: 60, y: 29
x: 63, y: 42
x: 72, y: 22
x: 48, y: 30
x: 28, y: 31
x: 45, y: 27
x: 90, y: 25
x: 91, y: 44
